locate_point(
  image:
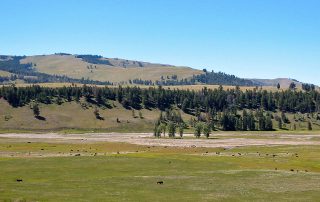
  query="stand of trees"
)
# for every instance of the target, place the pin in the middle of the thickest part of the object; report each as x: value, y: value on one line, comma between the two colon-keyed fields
x: 213, y: 78
x: 192, y: 102
x: 94, y: 59
x: 215, y: 107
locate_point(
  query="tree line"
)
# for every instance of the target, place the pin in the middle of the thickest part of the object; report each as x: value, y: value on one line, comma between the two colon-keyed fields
x: 212, y: 78
x: 230, y: 109
x: 189, y: 101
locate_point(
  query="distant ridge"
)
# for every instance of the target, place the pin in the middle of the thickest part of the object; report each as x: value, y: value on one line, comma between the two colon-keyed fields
x: 96, y: 69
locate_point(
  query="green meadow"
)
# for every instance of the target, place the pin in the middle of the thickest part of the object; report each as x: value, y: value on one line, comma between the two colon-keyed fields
x: 125, y: 172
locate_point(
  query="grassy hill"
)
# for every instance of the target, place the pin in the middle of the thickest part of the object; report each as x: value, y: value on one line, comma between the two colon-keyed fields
x: 77, y: 116
x: 117, y: 71
x: 73, y: 116
x: 4, y: 73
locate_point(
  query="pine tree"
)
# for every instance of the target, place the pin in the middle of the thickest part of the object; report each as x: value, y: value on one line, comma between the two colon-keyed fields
x: 36, y: 110
x: 171, y: 129
x: 163, y: 128
x: 309, y: 125
x: 245, y: 120
x: 280, y: 123
x: 251, y: 122
x: 206, y: 130
x: 239, y: 124
x: 181, y: 130
x: 268, y: 123
x: 197, y: 130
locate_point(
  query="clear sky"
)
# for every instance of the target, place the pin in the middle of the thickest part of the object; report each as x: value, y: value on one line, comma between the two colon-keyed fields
x: 248, y: 38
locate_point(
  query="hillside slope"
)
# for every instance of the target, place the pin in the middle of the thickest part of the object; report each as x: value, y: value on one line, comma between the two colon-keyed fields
x: 116, y: 71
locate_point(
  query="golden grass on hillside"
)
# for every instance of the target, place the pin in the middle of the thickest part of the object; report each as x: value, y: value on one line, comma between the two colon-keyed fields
x: 4, y: 73
x: 76, y: 68
x: 73, y: 116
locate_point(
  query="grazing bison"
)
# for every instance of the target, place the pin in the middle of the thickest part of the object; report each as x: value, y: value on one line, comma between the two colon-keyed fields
x: 160, y: 182
x: 19, y: 180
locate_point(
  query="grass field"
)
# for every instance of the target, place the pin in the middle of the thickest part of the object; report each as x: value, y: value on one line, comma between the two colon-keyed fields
x: 125, y: 172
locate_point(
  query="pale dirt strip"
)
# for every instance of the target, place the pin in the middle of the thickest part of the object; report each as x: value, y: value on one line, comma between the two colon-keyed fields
x: 219, y: 140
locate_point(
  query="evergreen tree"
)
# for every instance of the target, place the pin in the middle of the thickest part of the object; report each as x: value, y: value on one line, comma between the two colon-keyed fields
x: 206, y: 130
x: 163, y: 128
x: 181, y: 130
x: 292, y: 86
x: 280, y: 123
x: 251, y: 122
x: 268, y: 123
x: 197, y: 130
x: 245, y: 120
x: 171, y: 129
x: 309, y: 125
x: 36, y: 110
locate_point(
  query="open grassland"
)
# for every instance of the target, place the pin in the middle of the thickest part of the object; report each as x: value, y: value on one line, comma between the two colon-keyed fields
x: 105, y: 171
x: 74, y: 67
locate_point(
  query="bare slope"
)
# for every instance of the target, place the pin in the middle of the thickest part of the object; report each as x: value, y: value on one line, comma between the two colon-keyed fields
x: 74, y: 67
x: 284, y: 82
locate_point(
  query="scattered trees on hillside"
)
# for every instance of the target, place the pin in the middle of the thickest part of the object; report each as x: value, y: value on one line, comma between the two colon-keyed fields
x: 28, y: 74
x: 292, y: 86
x: 308, y: 87
x: 230, y: 109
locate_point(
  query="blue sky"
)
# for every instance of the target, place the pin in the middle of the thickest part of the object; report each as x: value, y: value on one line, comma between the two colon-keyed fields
x: 248, y: 38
